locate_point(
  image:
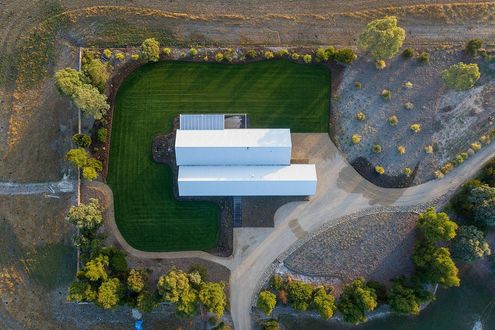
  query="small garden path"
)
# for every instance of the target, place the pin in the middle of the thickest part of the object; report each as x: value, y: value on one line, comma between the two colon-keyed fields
x: 65, y: 185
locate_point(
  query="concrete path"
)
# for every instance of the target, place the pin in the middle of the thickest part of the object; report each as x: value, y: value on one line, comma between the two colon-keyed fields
x: 50, y: 188
x: 341, y: 191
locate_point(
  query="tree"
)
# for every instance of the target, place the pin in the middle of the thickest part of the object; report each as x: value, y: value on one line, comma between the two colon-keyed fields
x: 483, y: 201
x: 68, y: 80
x: 403, y: 299
x: 276, y: 282
x: 150, y: 50
x: 89, y: 173
x: 461, y: 76
x: 323, y: 303
x: 266, y: 301
x: 91, y: 101
x: 325, y: 54
x: 97, y: 73
x: 470, y: 244
x: 136, y: 280
x: 108, y: 293
x: 175, y: 288
x: 79, y: 157
x: 82, y: 140
x: 382, y: 38
x: 299, y: 294
x: 145, y: 302
x: 86, y: 216
x: 80, y: 291
x: 434, y: 265
x: 345, y: 56
x: 436, y: 226
x: 212, y: 297
x: 473, y: 46
x: 96, y: 269
x: 269, y: 325
x: 356, y: 300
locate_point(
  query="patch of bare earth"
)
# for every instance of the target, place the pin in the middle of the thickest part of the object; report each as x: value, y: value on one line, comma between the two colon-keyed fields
x: 377, y: 247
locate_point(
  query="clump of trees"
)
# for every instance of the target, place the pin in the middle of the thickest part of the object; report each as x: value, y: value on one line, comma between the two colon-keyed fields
x: 150, y: 50
x: 461, y: 76
x: 382, y: 37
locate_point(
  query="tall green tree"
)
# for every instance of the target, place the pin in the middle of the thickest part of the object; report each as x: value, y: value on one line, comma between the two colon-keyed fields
x: 356, y: 300
x: 470, y: 244
x: 436, y: 226
x: 382, y: 37
x: 91, y: 101
x: 483, y: 200
x: 150, y: 50
x: 323, y: 303
x: 68, y: 80
x: 86, y: 216
x: 266, y: 302
x: 176, y: 288
x: 461, y: 76
x: 108, y: 293
x: 402, y: 299
x: 434, y: 265
x: 300, y: 294
x: 136, y: 280
x: 212, y: 297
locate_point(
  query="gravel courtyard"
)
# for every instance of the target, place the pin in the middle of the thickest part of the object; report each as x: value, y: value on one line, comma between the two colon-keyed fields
x: 377, y: 247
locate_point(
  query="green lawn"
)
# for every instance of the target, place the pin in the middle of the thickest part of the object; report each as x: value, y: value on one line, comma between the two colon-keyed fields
x: 274, y: 93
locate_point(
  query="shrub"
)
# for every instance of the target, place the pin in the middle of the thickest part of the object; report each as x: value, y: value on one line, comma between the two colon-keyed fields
x: 393, y: 120
x: 89, y: 173
x: 146, y: 302
x: 295, y: 56
x: 438, y: 174
x: 407, y: 171
x: 251, y: 53
x: 98, y: 73
x: 386, y: 94
x: 401, y: 150
x: 307, y: 58
x: 102, y: 135
x: 86, y: 216
x: 377, y: 148
x: 135, y: 57
x: 193, y: 52
x: 408, y: 53
x: 150, y: 50
x: 120, y: 56
x: 116, y: 258
x: 408, y: 85
x: 228, y: 55
x: 212, y: 297
x: 429, y: 149
x: 424, y: 57
x: 476, y: 146
x: 379, y: 169
x: 277, y: 282
x: 461, y: 76
x: 82, y: 140
x: 436, y: 227
x: 358, y: 85
x: 78, y: 157
x: 269, y: 325
x: 447, y: 167
x: 382, y: 38
x: 434, y: 265
x: 485, y: 139
x: 107, y: 53
x: 166, y: 51
x: 473, y: 46
x: 402, y: 299
x: 416, y: 128
x: 470, y: 244
x: 408, y: 106
x: 356, y: 300
x: 380, y: 64
x: 325, y: 54
x: 299, y: 295
x: 281, y: 53
x: 136, y: 280
x: 108, y: 293
x: 266, y: 302
x: 356, y: 138
x: 345, y: 56
x: 268, y: 55
x: 323, y: 303
x: 360, y: 116
x: 219, y: 57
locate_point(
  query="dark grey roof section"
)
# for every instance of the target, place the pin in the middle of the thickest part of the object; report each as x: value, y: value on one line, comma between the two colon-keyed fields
x: 202, y: 122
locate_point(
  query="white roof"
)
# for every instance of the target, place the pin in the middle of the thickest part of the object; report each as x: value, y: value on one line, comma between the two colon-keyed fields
x: 202, y: 122
x: 243, y: 138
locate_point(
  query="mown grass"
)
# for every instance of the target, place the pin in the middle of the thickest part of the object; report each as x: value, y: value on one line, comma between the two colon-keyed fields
x: 274, y: 93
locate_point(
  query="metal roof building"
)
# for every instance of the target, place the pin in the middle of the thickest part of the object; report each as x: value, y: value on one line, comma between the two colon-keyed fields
x: 233, y: 147
x: 292, y: 180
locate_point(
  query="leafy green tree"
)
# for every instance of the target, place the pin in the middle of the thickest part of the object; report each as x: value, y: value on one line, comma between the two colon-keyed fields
x: 81, y: 291
x: 299, y: 294
x: 323, y: 303
x: 461, y: 76
x: 277, y: 282
x: 382, y: 37
x: 483, y: 201
x: 108, y: 293
x: 79, y: 157
x: 434, y: 265
x: 356, y: 300
x: 150, y: 50
x: 86, y: 216
x: 89, y: 173
x: 98, y: 73
x: 82, y: 140
x: 176, y: 288
x: 345, y: 56
x: 116, y: 260
x: 269, y: 325
x: 96, y: 269
x: 469, y: 244
x: 403, y: 299
x: 136, y: 280
x: 212, y: 297
x: 91, y: 101
x: 146, y: 302
x: 436, y: 226
x: 68, y: 80
x: 325, y: 54
x: 266, y: 301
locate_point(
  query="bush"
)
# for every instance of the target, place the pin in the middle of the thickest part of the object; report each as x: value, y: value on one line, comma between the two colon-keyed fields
x: 380, y: 64
x: 68, y: 81
x: 408, y: 85
x: 136, y: 280
x: 166, y: 51
x: 135, y: 57
x: 408, y: 106
x: 307, y: 58
x: 117, y: 261
x: 356, y: 300
x: 393, y: 120
x: 107, y: 53
x: 436, y: 227
x: 82, y: 140
x: 269, y: 325
x: 461, y: 76
x: 360, y: 116
x: 434, y: 265
x: 193, y: 52
x: 470, y: 244
x: 386, y: 94
x: 407, y: 171
x: 356, y: 138
x: 98, y: 73
x: 266, y: 302
x: 473, y: 46
x: 358, y: 85
x: 401, y: 150
x: 251, y: 53
x: 150, y: 50
x: 120, y: 56
x: 438, y: 174
x: 323, y: 303
x: 416, y: 128
x: 277, y: 282
x: 325, y: 54
x: 403, y: 300
x: 281, y: 53
x: 295, y: 56
x: 429, y: 149
x: 408, y: 53
x: 377, y: 148
x: 102, y: 135
x: 146, y: 302
x: 379, y: 169
x: 268, y: 55
x: 299, y: 295
x: 383, y: 38
x: 424, y: 57
x: 219, y: 57
x: 476, y: 146
x: 108, y: 293
x: 345, y: 56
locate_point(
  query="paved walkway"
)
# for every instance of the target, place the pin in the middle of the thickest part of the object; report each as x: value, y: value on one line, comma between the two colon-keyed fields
x: 50, y: 188
x: 341, y: 191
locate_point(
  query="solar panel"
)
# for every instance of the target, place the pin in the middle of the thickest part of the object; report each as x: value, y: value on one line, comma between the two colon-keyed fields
x: 202, y: 122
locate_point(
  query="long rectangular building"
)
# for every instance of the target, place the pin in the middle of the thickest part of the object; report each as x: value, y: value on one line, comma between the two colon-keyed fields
x: 233, y: 147
x: 291, y: 180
